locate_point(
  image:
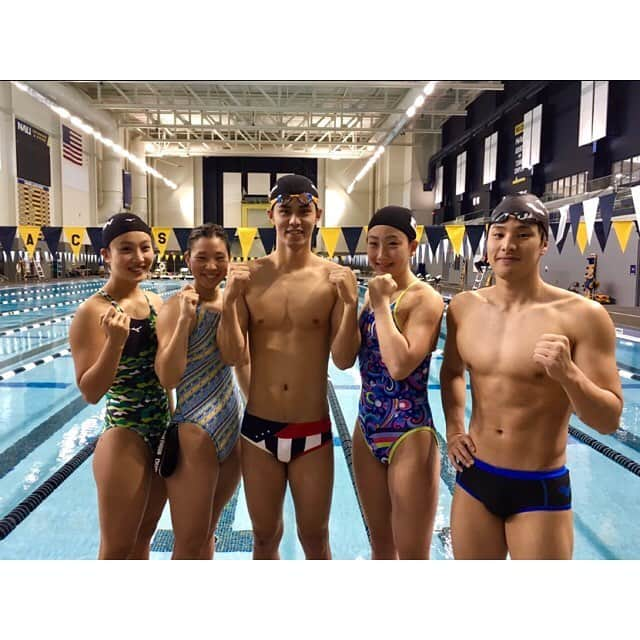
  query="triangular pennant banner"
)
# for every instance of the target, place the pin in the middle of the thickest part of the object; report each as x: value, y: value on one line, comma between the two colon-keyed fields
x: 161, y: 236
x: 435, y: 233
x: 606, y: 211
x: 330, y: 236
x: 581, y: 238
x: 231, y: 234
x: 575, y: 213
x: 52, y: 238
x: 246, y: 236
x: 561, y: 236
x: 352, y: 238
x: 268, y: 238
x: 600, y: 233
x: 419, y: 232
x: 95, y: 235
x: 590, y: 211
x: 456, y: 235
x: 554, y: 229
x: 561, y: 239
x: 474, y: 233
x: 7, y: 234
x: 182, y: 236
x: 314, y: 237
x: 74, y: 236
x: 623, y: 231
x: 29, y: 235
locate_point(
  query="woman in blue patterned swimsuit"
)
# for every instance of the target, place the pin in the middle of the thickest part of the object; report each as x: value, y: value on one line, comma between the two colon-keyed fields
x: 209, y: 406
x: 395, y: 453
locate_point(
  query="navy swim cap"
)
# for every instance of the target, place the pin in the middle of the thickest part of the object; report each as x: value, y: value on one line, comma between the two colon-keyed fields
x: 397, y: 217
x: 122, y: 223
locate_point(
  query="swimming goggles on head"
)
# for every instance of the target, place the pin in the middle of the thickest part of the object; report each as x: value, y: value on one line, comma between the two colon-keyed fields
x: 522, y: 216
x: 303, y: 198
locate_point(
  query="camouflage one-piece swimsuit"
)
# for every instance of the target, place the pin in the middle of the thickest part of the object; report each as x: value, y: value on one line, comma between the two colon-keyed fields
x: 136, y: 400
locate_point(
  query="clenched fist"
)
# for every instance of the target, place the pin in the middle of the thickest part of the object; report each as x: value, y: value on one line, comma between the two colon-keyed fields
x: 346, y: 284
x: 188, y: 301
x: 238, y: 278
x: 116, y: 326
x: 381, y: 288
x: 553, y: 352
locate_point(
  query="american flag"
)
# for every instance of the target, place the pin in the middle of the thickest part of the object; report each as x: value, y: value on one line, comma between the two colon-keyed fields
x: 71, y: 145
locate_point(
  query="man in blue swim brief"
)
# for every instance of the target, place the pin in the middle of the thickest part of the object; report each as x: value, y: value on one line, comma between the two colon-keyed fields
x: 535, y: 354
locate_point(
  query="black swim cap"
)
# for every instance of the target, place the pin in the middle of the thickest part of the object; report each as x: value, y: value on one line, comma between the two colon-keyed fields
x: 122, y: 223
x: 293, y: 184
x: 525, y: 207
x: 396, y: 217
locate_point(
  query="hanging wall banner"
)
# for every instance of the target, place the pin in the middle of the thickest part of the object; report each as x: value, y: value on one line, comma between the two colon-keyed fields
x: 29, y: 235
x: 590, y: 210
x: 475, y: 233
x: 95, y: 236
x: 564, y: 215
x: 456, y: 235
x: 182, y: 236
x: 74, y: 236
x: 231, y: 234
x: 246, y: 235
x: 161, y: 236
x: 435, y: 233
x: 52, y: 238
x: 623, y: 232
x: 330, y: 236
x: 581, y: 239
x: 352, y: 238
x: 602, y: 238
x: 7, y: 234
x: 606, y: 212
x: 268, y: 238
x: 575, y: 213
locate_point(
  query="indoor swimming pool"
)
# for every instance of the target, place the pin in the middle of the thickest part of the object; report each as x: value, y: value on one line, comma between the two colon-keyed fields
x: 48, y: 506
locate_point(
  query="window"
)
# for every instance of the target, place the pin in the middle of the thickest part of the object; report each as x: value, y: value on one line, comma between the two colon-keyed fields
x: 635, y: 169
x: 626, y: 171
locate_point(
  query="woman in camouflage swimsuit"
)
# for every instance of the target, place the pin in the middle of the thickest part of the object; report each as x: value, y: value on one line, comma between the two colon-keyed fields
x: 113, y: 343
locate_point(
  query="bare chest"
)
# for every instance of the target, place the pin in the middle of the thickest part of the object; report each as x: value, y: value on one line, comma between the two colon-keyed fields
x: 292, y: 302
x: 503, y: 344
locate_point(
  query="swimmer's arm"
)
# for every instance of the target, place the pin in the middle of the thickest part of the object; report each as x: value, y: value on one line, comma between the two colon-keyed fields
x: 453, y: 385
x: 593, y: 383
x: 94, y: 375
x: 243, y: 376
x: 402, y: 351
x: 345, y: 336
x: 232, y: 332
x: 173, y: 342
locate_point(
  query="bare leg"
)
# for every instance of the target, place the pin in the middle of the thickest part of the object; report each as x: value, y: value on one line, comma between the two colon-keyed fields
x: 228, y: 480
x: 191, y: 488
x: 265, y: 480
x: 122, y: 471
x: 311, y: 482
x: 373, y: 491
x: 540, y: 535
x: 413, y: 479
x: 155, y: 505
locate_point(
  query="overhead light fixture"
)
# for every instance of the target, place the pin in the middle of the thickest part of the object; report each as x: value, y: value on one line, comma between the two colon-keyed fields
x: 89, y: 130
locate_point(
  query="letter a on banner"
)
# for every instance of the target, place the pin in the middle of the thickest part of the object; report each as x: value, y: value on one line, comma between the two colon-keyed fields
x: 161, y: 236
x: 29, y: 235
x: 456, y: 235
x: 246, y: 235
x: 330, y: 237
x: 74, y: 236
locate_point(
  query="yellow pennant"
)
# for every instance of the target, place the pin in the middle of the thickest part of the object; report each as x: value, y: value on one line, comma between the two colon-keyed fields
x: 623, y: 231
x: 29, y: 235
x: 246, y: 235
x: 74, y: 236
x: 161, y: 236
x: 330, y: 237
x: 456, y: 235
x: 581, y: 237
x: 419, y: 232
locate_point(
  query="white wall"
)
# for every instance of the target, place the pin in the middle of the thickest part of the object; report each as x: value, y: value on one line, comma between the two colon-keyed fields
x: 175, y: 208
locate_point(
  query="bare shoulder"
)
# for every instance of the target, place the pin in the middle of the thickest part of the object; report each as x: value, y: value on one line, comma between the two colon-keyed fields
x: 155, y: 299
x: 466, y: 299
x: 170, y: 305
x: 92, y: 307
x: 425, y: 297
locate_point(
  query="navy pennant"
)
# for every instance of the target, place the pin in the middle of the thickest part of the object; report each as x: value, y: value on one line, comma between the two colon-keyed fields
x: 474, y: 233
x: 7, y: 235
x: 600, y: 233
x: 182, y: 235
x: 352, y: 237
x: 606, y: 212
x: 52, y: 238
x: 268, y: 238
x: 554, y: 229
x: 561, y: 241
x: 435, y: 233
x: 575, y: 213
